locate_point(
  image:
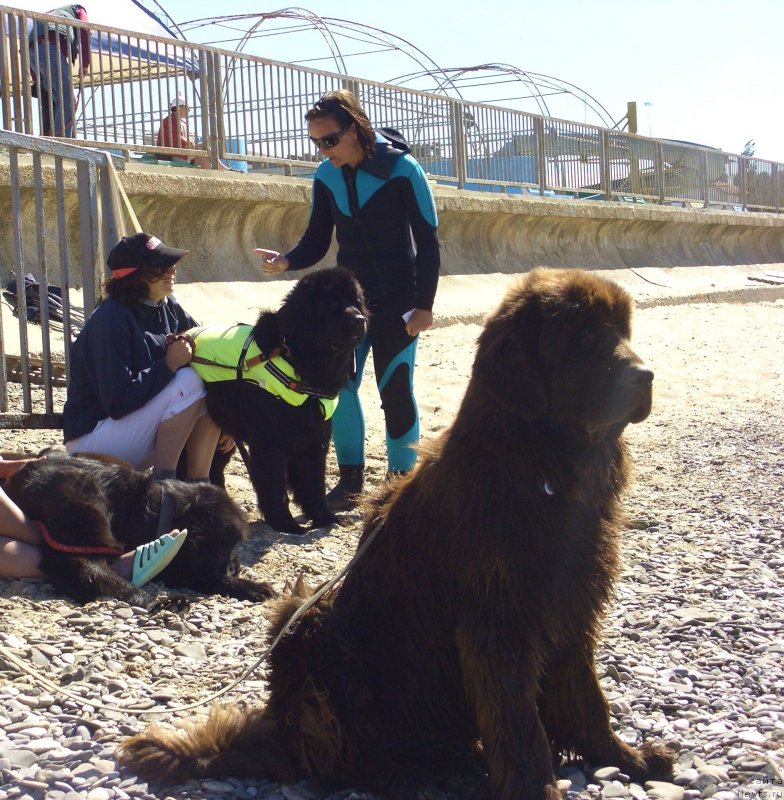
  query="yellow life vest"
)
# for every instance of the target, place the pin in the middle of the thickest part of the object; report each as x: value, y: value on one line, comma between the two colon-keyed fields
x: 221, y: 354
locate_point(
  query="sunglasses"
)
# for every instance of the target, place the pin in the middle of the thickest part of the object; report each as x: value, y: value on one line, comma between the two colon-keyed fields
x: 331, y: 139
x: 158, y: 273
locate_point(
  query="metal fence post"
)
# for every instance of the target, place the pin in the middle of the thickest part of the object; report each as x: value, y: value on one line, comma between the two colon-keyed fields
x: 212, y: 110
x: 43, y: 266
x: 112, y: 226
x: 635, y: 183
x: 65, y: 277
x: 7, y: 70
x: 86, y: 181
x: 352, y: 86
x: 703, y: 176
x: 16, y: 76
x: 458, y: 143
x: 16, y: 216
x: 540, y: 153
x: 658, y: 168
x: 605, y: 178
x: 742, y: 166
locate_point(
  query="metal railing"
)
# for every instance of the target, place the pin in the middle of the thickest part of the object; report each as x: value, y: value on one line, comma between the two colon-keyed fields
x: 64, y: 214
x: 250, y: 110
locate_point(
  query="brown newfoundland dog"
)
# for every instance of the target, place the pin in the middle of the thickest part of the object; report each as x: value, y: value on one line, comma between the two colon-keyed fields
x: 277, y: 395
x: 461, y: 643
x: 104, y: 503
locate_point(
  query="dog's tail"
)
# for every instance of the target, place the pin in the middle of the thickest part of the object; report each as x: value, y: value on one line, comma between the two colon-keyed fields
x: 233, y: 741
x: 297, y: 735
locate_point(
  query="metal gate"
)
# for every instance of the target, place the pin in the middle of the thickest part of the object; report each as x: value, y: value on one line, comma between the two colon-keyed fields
x: 59, y: 213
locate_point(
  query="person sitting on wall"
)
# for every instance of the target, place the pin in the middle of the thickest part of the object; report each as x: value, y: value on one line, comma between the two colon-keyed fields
x: 173, y: 132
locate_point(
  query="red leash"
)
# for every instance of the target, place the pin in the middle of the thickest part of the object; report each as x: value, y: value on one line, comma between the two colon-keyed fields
x: 77, y: 550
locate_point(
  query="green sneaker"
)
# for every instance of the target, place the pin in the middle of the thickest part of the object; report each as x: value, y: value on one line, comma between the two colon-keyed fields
x: 149, y: 559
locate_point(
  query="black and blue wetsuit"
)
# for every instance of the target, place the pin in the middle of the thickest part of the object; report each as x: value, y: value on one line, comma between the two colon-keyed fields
x: 376, y: 209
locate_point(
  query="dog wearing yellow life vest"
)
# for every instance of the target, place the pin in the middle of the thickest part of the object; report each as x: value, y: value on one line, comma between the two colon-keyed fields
x: 274, y: 387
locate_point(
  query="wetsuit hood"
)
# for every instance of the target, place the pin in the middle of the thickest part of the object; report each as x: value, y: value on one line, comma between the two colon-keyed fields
x: 390, y: 145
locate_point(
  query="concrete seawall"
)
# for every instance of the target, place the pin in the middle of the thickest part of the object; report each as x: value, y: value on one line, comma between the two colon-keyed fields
x: 221, y: 217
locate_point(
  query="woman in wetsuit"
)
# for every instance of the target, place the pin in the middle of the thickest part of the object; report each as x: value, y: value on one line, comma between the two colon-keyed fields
x: 376, y: 197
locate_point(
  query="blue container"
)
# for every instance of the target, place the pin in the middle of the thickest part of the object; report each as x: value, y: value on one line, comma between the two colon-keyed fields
x: 236, y: 146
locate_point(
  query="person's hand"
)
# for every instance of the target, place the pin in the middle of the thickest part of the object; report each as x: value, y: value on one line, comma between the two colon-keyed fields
x: 225, y: 442
x: 420, y: 320
x: 178, y: 353
x: 172, y: 337
x: 10, y: 467
x: 272, y: 261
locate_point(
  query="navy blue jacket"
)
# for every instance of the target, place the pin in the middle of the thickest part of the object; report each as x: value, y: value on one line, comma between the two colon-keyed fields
x: 117, y: 361
x: 374, y: 210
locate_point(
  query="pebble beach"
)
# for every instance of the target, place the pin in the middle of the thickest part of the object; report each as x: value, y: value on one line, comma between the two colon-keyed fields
x: 693, y: 645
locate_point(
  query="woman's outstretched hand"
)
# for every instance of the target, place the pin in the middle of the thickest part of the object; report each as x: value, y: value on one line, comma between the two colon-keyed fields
x: 272, y: 261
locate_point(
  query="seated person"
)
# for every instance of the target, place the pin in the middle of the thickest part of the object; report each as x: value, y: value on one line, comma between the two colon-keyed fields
x: 173, y: 132
x: 20, y: 538
x: 130, y: 392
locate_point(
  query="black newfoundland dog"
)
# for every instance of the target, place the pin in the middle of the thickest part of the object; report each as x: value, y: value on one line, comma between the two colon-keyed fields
x: 273, y: 386
x: 99, y: 503
x: 460, y: 646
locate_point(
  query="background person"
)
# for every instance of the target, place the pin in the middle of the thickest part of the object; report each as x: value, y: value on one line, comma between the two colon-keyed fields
x: 173, y: 132
x: 375, y: 196
x: 54, y: 49
x: 130, y: 392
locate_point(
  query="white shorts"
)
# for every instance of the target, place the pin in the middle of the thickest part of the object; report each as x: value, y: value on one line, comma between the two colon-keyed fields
x: 132, y: 438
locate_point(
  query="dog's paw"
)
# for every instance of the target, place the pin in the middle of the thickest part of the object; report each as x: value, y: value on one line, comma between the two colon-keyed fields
x: 650, y: 761
x: 658, y: 759
x: 325, y: 519
x: 296, y: 530
x: 287, y: 526
x: 261, y: 592
x: 172, y: 602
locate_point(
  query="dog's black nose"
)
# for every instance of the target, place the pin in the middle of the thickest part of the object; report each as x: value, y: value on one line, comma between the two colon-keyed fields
x: 357, y: 322
x: 643, y: 375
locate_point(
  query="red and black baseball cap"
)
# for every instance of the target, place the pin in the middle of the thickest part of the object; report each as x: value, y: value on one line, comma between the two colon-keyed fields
x: 141, y: 250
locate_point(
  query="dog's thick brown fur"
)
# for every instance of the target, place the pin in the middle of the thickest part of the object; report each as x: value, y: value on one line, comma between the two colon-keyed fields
x: 462, y: 642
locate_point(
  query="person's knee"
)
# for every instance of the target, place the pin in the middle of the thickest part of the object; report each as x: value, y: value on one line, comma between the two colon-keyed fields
x: 188, y: 385
x: 397, y: 401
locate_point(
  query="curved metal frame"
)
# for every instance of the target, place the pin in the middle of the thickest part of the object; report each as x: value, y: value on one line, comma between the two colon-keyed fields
x: 447, y: 80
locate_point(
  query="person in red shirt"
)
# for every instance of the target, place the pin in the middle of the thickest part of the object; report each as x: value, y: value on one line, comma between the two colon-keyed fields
x: 173, y: 132
x: 54, y: 50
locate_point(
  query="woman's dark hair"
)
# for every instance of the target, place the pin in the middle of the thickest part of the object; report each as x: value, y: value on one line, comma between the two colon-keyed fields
x: 132, y: 289
x: 344, y: 108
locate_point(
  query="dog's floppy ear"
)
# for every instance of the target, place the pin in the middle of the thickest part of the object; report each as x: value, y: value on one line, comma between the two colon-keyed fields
x: 266, y: 332
x: 507, y: 364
